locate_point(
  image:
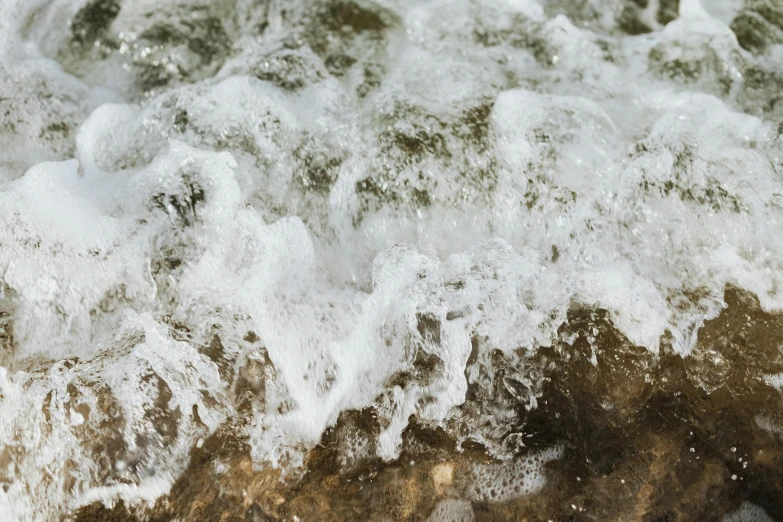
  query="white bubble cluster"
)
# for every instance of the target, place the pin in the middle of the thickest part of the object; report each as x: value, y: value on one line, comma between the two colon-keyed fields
x: 504, y: 481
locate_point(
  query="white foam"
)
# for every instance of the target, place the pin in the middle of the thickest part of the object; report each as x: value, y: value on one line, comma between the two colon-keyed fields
x: 60, y: 257
x: 116, y: 396
x: 441, y: 172
x: 505, y: 481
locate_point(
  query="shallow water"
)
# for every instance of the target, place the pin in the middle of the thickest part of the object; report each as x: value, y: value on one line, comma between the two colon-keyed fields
x: 390, y: 259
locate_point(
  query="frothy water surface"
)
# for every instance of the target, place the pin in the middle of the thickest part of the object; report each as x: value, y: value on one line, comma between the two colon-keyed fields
x: 344, y: 236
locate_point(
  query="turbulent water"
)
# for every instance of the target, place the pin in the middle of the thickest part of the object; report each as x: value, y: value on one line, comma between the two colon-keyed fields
x: 331, y: 232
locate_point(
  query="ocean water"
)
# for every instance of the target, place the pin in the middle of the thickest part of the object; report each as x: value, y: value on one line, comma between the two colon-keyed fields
x: 267, y: 215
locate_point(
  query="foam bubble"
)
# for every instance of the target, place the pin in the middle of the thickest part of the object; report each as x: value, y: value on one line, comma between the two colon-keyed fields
x: 504, y: 481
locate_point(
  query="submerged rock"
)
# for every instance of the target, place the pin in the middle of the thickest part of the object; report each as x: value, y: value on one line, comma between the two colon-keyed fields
x: 619, y: 434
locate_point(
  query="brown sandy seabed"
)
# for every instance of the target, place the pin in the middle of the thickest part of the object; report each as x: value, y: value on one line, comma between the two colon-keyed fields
x: 644, y: 437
